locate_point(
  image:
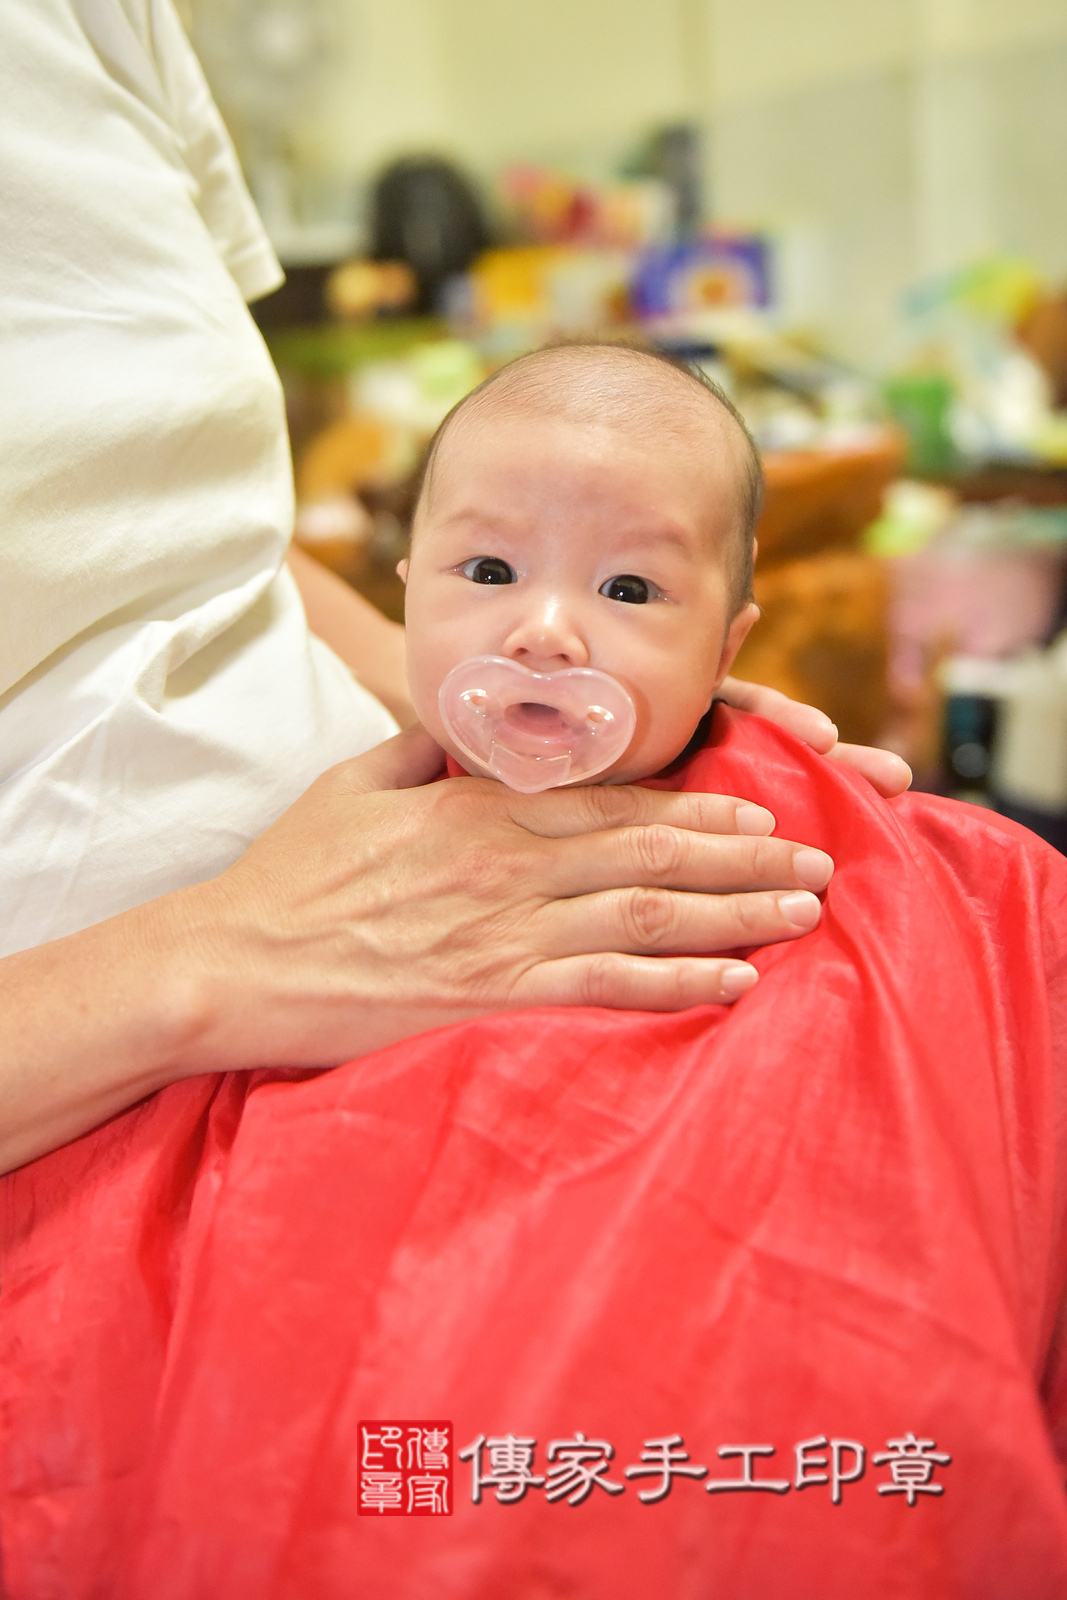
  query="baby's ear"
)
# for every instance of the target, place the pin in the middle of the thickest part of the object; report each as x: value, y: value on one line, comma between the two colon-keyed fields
x: 737, y: 634
x: 402, y: 570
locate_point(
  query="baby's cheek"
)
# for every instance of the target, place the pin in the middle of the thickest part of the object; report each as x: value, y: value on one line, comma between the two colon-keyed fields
x: 424, y: 699
x: 422, y: 685
x: 656, y: 745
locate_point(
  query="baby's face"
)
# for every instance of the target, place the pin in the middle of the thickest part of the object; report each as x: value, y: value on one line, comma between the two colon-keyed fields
x: 558, y: 545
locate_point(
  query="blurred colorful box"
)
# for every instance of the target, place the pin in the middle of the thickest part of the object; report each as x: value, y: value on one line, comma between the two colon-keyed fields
x: 718, y: 270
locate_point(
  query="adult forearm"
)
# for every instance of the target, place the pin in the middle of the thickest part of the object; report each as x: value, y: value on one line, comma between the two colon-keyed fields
x: 365, y: 640
x: 90, y: 1024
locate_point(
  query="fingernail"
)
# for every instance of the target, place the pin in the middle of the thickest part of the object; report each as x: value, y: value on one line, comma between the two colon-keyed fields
x: 801, y: 909
x: 738, y: 980
x: 814, y: 868
x: 753, y: 819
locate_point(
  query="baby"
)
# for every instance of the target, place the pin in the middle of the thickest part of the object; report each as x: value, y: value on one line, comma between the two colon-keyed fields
x: 589, y: 506
x: 832, y: 1218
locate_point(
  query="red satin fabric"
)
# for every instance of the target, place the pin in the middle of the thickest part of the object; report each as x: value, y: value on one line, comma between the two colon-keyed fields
x: 837, y: 1210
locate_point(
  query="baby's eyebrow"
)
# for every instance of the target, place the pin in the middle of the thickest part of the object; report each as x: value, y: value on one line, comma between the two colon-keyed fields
x: 639, y: 538
x: 484, y: 519
x: 668, y: 533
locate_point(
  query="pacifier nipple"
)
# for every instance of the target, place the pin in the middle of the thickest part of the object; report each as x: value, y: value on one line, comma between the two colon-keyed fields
x: 536, y: 730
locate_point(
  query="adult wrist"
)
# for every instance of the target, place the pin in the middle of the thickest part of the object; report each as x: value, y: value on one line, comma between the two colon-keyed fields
x: 92, y: 1023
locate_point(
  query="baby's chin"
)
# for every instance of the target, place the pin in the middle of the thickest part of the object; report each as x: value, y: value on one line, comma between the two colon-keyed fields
x: 624, y: 772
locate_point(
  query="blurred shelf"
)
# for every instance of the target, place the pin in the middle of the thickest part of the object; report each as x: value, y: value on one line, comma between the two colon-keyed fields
x: 1031, y: 486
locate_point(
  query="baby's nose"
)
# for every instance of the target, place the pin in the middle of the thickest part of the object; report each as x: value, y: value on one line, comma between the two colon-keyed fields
x: 547, y: 639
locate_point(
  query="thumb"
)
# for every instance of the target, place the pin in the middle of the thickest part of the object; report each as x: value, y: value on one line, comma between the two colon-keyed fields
x: 405, y: 761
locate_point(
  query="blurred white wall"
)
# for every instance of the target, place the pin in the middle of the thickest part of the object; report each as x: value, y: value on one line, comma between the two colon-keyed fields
x: 889, y: 139
x: 496, y: 80
x: 882, y: 139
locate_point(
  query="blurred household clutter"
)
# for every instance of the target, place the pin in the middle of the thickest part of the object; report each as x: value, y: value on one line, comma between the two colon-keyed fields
x: 853, y: 218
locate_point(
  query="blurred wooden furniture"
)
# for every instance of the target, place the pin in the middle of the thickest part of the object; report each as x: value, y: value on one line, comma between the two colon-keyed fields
x: 822, y: 636
x: 822, y: 639
x: 823, y: 499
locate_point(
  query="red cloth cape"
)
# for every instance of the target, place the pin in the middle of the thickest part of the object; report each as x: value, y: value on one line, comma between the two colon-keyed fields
x: 834, y: 1212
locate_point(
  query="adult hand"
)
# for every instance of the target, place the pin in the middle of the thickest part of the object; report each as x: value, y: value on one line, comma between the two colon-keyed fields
x: 889, y: 773
x: 382, y: 904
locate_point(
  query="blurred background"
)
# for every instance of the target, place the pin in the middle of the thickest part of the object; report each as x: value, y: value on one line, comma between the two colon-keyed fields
x: 851, y: 213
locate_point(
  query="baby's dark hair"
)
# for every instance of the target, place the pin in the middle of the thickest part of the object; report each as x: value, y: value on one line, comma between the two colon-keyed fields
x: 533, y: 375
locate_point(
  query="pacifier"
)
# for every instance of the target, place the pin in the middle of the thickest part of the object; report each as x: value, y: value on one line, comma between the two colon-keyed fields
x: 534, y: 730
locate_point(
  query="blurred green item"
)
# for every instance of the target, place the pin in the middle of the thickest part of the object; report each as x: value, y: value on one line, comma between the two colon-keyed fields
x: 447, y: 370
x: 416, y: 391
x: 998, y: 289
x: 912, y: 515
x: 921, y: 403
x: 333, y: 349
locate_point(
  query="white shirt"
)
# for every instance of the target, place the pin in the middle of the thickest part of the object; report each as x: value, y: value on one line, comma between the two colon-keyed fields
x: 161, y: 700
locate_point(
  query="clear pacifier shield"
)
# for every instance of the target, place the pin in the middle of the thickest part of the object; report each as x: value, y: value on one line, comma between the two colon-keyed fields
x: 535, y: 730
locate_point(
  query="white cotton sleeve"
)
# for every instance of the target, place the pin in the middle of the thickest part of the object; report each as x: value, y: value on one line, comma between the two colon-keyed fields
x: 161, y: 700
x: 143, y: 46
x: 223, y: 200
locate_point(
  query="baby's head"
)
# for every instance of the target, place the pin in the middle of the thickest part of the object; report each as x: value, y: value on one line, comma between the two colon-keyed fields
x: 588, y: 506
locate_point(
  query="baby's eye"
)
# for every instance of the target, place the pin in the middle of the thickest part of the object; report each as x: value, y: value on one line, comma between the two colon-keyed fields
x: 488, y: 569
x: 633, y: 590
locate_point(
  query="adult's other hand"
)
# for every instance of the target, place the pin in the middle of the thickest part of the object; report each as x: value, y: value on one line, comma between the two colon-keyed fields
x: 889, y: 773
